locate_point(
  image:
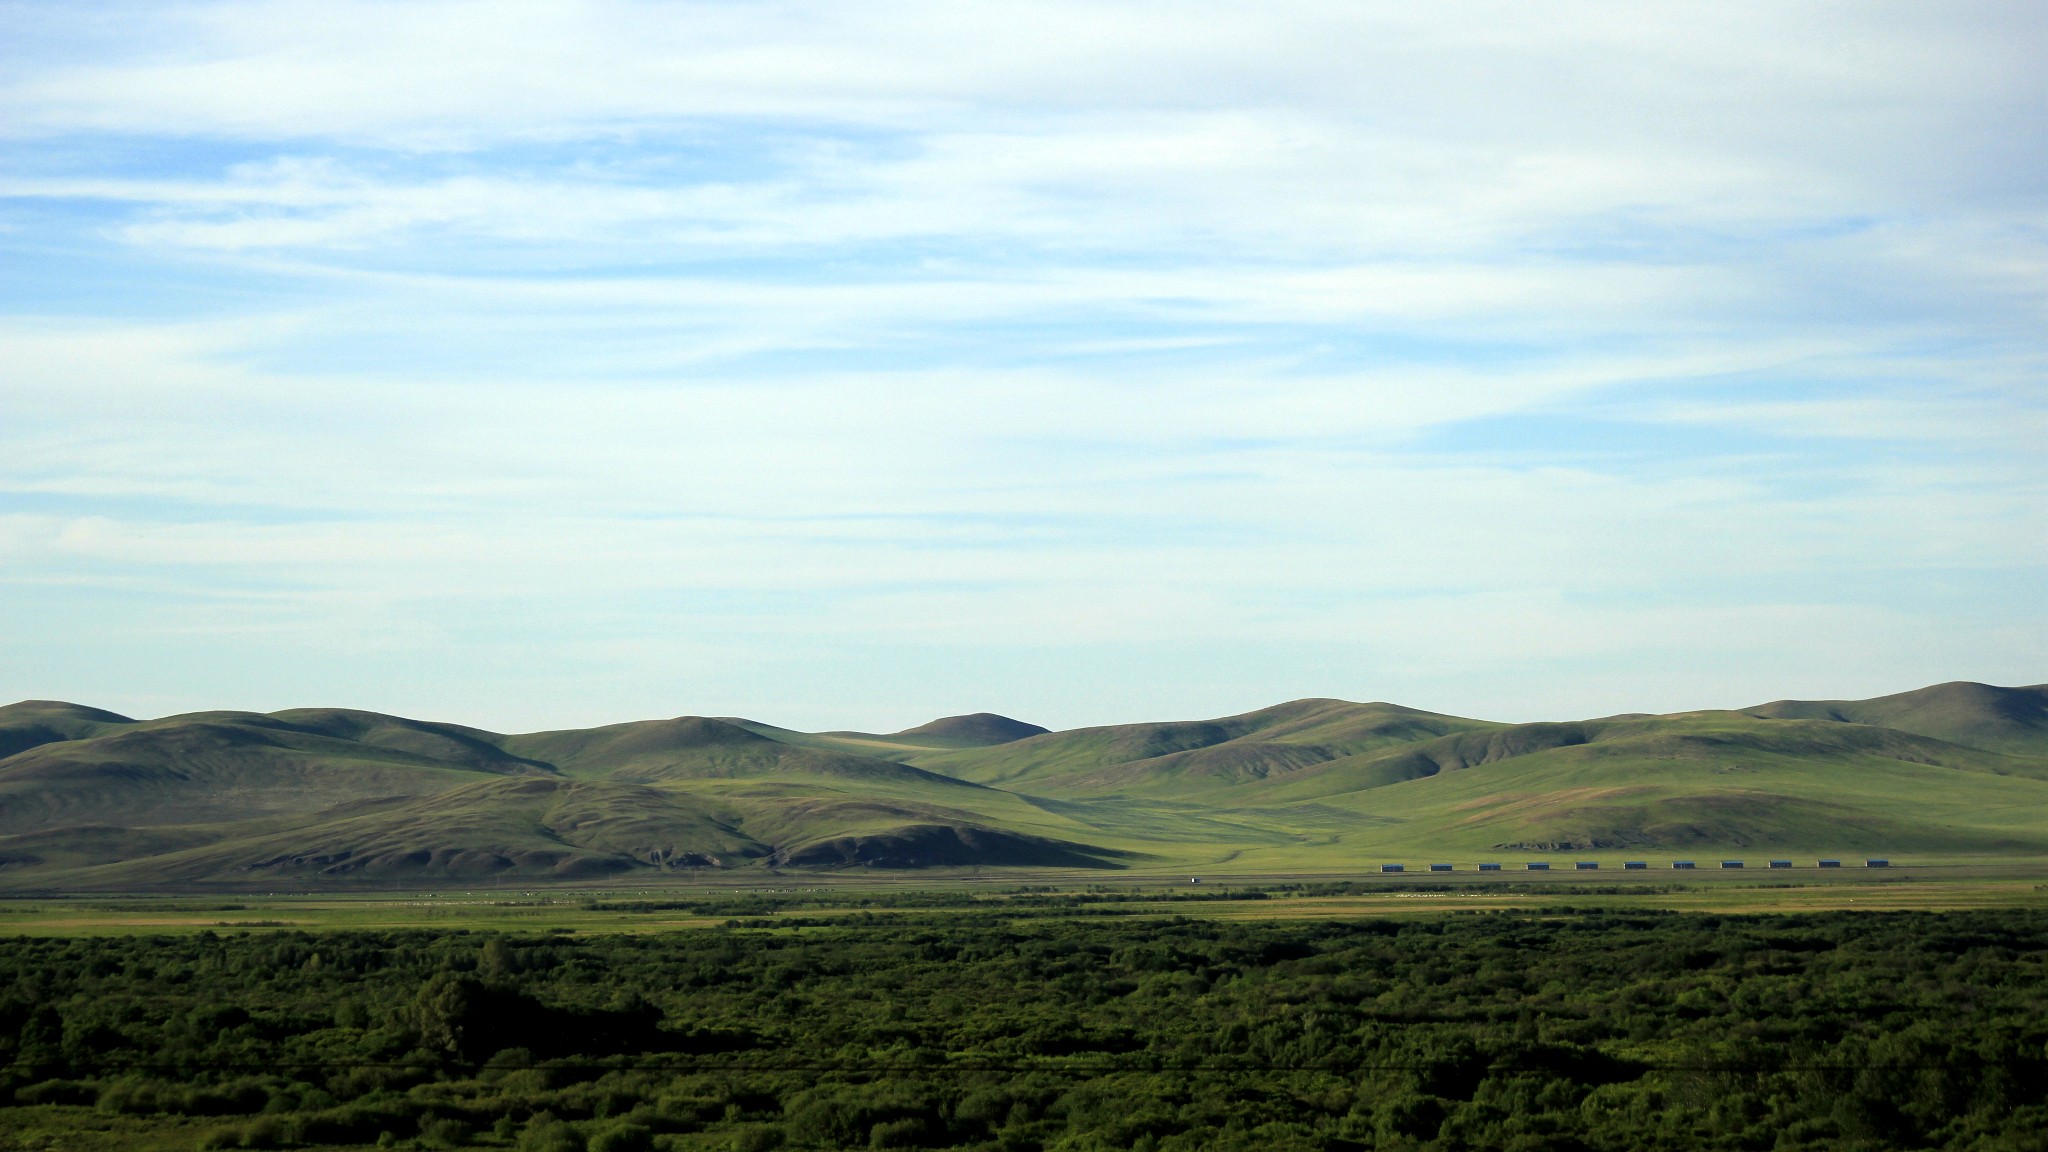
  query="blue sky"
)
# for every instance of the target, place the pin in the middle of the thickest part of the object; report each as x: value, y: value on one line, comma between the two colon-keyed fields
x: 537, y: 364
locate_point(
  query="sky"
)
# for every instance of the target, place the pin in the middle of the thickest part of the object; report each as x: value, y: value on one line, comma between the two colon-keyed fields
x: 845, y: 365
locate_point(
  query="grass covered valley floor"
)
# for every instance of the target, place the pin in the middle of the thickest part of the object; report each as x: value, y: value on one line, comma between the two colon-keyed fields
x: 338, y: 800
x: 1569, y: 1028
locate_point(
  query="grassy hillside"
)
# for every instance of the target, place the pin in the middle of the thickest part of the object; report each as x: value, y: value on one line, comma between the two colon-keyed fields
x: 447, y: 743
x: 978, y: 730
x: 210, y: 767
x: 95, y: 801
x: 689, y: 747
x: 1983, y: 716
x: 98, y: 800
x: 34, y: 722
x: 1126, y: 757
x: 1725, y: 741
x: 1705, y: 781
x: 526, y: 828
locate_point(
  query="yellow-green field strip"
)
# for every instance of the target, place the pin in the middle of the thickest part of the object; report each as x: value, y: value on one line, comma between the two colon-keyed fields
x: 603, y: 910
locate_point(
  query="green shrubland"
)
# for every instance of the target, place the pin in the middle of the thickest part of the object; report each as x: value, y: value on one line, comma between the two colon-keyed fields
x: 918, y: 1030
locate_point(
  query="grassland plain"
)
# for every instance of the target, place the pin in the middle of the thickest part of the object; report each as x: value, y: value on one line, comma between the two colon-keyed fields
x: 786, y: 902
x: 336, y: 800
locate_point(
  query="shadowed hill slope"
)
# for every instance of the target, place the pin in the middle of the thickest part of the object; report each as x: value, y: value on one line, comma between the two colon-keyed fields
x: 946, y: 845
x: 525, y: 828
x: 975, y: 730
x: 33, y: 722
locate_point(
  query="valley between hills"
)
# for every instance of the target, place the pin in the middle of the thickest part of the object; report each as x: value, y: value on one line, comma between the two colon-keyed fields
x: 337, y: 799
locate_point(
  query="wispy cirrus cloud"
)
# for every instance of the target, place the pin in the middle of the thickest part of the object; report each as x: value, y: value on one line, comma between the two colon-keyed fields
x: 847, y: 363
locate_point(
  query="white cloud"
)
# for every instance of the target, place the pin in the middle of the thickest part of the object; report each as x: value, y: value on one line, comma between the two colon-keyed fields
x: 709, y: 336
x: 1719, y: 111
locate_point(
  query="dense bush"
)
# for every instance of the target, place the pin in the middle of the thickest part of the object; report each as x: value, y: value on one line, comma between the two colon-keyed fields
x: 1474, y: 1031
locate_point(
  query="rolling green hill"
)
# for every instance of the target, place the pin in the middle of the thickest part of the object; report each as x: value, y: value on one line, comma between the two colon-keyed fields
x: 209, y: 767
x: 979, y: 730
x: 696, y: 747
x: 1974, y: 715
x: 91, y: 800
x: 35, y: 722
x: 1141, y: 757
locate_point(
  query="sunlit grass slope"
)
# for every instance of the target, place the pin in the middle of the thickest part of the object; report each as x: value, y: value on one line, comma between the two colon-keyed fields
x: 1696, y: 791
x: 1976, y: 715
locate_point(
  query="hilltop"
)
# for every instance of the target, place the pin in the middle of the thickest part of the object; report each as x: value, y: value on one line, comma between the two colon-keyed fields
x: 1983, y: 716
x: 93, y: 800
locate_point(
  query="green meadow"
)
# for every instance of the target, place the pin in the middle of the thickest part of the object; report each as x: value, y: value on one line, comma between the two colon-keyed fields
x: 785, y: 903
